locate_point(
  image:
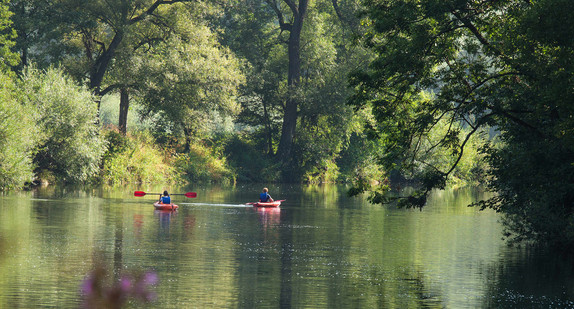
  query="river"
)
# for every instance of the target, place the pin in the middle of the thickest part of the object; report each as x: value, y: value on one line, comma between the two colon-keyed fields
x: 320, y: 249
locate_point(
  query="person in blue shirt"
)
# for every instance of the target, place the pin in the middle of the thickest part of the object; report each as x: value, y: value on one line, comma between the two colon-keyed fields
x: 165, y: 199
x: 264, y: 196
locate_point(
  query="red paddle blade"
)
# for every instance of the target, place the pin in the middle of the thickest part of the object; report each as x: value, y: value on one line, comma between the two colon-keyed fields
x: 191, y: 194
x: 139, y: 193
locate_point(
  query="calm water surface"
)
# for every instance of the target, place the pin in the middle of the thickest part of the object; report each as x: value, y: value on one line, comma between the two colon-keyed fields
x: 321, y: 249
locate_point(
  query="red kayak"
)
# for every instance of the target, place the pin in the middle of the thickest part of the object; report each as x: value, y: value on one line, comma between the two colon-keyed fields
x: 162, y: 206
x: 267, y: 204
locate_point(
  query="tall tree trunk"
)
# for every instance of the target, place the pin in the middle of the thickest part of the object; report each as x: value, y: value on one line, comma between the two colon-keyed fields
x: 124, y: 107
x: 102, y: 63
x: 99, y: 69
x: 293, y: 78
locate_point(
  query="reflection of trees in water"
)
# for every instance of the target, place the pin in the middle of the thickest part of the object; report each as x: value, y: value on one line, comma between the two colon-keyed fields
x: 531, y: 278
x: 118, y: 247
x: 286, y: 259
x: 263, y: 269
x: 373, y: 287
x: 422, y: 295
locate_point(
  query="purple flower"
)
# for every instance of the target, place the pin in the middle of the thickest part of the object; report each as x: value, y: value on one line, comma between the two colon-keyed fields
x: 88, y: 285
x: 150, y: 278
x: 125, y: 284
x: 99, y: 292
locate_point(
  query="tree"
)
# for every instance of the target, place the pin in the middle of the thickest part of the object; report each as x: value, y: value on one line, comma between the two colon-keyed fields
x: 156, y: 23
x: 69, y: 146
x: 309, y: 80
x: 502, y: 64
x: 326, y: 123
x: 291, y: 19
x: 7, y: 36
x: 190, y: 81
x: 262, y: 94
x: 92, y: 37
x: 103, y: 25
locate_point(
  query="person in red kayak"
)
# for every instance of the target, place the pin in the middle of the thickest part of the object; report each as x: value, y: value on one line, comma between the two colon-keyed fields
x: 264, y: 196
x: 165, y: 199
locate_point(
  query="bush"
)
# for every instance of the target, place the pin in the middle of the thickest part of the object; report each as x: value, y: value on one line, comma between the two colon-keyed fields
x: 17, y: 132
x: 201, y: 164
x: 136, y: 159
x: 249, y: 161
x: 70, y: 146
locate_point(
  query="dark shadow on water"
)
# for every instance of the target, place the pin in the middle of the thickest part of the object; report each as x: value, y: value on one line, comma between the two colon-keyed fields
x: 286, y: 262
x: 531, y: 278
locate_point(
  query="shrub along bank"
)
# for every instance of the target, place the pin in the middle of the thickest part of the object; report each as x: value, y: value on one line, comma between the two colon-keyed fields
x: 138, y: 158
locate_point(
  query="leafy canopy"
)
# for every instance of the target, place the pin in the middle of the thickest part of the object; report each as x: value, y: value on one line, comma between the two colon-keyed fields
x: 502, y: 64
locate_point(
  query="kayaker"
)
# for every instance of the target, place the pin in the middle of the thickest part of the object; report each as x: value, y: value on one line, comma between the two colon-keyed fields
x: 264, y: 197
x: 165, y: 199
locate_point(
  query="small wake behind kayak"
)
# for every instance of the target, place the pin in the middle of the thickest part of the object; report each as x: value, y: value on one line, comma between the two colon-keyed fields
x: 267, y: 204
x: 162, y: 206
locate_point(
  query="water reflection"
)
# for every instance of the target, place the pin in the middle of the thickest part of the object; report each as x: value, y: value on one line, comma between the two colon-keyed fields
x: 269, y: 216
x: 320, y: 249
x: 165, y: 217
x: 138, y: 225
x: 531, y: 278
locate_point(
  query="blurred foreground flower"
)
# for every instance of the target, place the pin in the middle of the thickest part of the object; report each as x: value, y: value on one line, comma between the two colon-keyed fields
x: 99, y: 291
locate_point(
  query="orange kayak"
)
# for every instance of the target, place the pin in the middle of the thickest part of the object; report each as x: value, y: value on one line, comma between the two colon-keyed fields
x: 162, y: 206
x: 269, y: 204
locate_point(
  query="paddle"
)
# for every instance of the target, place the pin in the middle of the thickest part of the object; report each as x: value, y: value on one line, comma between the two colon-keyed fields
x: 264, y: 202
x: 188, y: 194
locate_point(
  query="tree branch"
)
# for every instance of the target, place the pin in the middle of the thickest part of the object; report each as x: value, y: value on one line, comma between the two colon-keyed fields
x: 292, y: 6
x: 152, y: 8
x: 282, y: 24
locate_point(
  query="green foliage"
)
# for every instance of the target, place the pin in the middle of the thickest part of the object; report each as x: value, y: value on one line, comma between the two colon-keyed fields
x: 17, y: 137
x: 250, y: 161
x: 7, y: 38
x: 191, y: 81
x: 535, y: 184
x: 438, y: 151
x: 504, y: 64
x: 70, y: 147
x: 324, y: 122
x: 358, y: 161
x: 202, y: 164
x: 136, y: 159
x: 39, y: 29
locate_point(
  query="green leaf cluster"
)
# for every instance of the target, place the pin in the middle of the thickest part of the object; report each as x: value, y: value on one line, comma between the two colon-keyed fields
x: 7, y: 38
x: 17, y: 137
x: 203, y: 164
x: 502, y: 66
x: 136, y: 159
x: 191, y: 81
x: 325, y: 123
x: 69, y: 144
